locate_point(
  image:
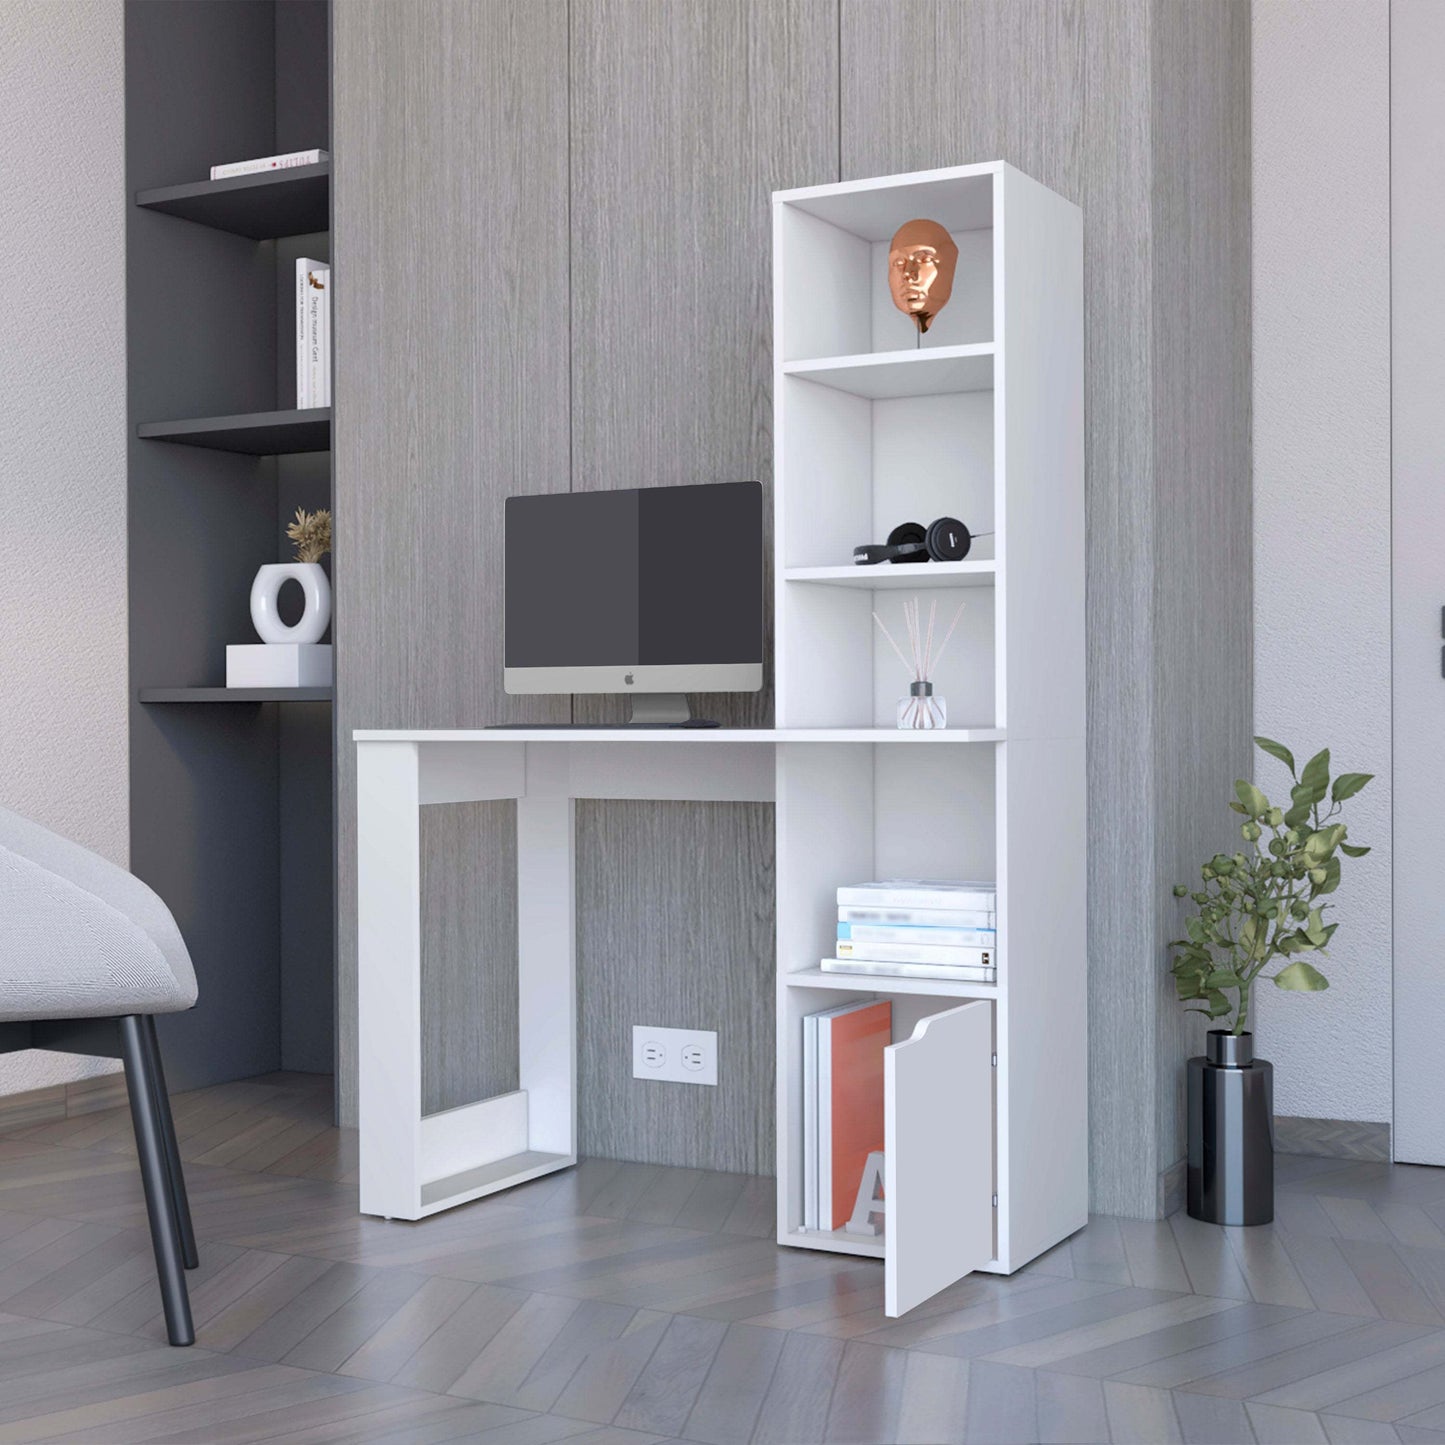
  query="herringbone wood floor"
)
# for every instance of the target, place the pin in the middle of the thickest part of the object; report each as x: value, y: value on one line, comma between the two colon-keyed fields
x: 626, y: 1303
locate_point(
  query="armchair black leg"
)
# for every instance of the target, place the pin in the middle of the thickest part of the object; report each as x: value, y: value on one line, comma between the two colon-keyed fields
x: 180, y: 1201
x: 160, y: 1205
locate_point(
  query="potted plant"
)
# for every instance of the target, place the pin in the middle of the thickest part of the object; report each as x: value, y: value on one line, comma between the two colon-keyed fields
x: 1255, y: 909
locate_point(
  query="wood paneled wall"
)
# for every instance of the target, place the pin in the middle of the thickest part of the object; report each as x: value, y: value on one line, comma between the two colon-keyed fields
x: 451, y: 385
x: 553, y: 271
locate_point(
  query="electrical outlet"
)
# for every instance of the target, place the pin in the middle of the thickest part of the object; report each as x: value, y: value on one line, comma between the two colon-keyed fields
x: 683, y: 1056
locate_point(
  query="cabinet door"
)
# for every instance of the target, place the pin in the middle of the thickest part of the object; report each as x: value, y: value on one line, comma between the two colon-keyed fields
x: 938, y: 1165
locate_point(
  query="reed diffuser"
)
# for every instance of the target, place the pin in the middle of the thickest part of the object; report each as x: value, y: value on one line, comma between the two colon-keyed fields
x: 921, y: 709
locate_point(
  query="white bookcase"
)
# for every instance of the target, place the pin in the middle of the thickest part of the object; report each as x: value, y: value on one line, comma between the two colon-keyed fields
x: 987, y: 1162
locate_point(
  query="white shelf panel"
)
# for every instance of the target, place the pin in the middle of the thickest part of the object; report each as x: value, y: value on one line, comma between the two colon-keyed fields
x: 887, y: 983
x: 838, y: 1241
x: 905, y: 576
x: 454, y: 1189
x: 960, y: 197
x: 681, y: 736
x: 881, y: 375
x: 890, y: 735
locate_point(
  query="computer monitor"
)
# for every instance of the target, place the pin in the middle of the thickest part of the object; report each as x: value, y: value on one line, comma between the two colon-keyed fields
x: 654, y: 593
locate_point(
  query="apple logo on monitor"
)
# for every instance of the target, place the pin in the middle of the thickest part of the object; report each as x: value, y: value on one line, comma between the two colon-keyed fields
x: 628, y: 679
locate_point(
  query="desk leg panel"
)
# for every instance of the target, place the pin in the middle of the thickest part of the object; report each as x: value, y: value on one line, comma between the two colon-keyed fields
x: 547, y: 971
x: 388, y: 840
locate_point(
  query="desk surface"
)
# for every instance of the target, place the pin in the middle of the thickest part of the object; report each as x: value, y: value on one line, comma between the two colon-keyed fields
x: 675, y: 735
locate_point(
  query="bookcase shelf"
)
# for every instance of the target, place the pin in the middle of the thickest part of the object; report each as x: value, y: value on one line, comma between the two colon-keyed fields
x: 257, y: 433
x: 883, y: 983
x: 837, y: 1241
x: 235, y: 694
x: 986, y: 1158
x: 265, y: 206
x: 937, y: 371
x: 908, y: 576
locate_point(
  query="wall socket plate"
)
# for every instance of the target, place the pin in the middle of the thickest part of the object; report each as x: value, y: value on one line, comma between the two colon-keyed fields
x: 682, y: 1056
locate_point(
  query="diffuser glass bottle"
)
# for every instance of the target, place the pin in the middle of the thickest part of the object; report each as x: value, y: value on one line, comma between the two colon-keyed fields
x: 922, y: 709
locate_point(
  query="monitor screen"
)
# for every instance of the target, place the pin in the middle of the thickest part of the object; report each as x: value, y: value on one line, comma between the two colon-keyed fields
x: 658, y: 589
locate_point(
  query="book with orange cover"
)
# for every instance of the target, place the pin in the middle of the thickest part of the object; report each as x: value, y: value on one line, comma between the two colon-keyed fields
x: 850, y: 1102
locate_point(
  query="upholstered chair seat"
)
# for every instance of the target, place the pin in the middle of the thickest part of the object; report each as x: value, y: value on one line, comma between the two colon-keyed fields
x: 81, y: 937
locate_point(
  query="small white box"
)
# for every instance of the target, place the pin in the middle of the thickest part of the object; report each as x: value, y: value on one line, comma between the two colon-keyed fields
x: 278, y: 664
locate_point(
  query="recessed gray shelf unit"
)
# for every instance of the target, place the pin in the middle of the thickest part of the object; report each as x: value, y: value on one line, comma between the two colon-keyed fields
x: 257, y: 434
x: 232, y: 805
x: 293, y: 202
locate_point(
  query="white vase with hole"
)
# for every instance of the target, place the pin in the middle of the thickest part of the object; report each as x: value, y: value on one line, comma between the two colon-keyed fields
x: 316, y: 615
x: 289, y: 656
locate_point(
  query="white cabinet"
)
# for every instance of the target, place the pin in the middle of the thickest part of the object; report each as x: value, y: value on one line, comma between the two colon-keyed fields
x: 980, y: 419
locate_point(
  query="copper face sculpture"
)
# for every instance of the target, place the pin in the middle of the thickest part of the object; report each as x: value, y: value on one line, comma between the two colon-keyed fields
x: 921, y: 260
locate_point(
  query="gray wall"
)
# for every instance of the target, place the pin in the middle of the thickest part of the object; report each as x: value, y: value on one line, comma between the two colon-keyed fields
x: 63, y: 716
x: 553, y: 221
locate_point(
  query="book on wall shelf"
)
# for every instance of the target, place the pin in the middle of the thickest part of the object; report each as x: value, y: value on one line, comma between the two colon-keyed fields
x: 285, y: 162
x: 313, y: 333
x: 842, y: 1106
x: 917, y: 928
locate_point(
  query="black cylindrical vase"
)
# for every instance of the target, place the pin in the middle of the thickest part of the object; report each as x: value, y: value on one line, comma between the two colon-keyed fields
x: 1231, y: 1132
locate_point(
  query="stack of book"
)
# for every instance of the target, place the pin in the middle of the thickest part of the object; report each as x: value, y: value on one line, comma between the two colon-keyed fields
x: 313, y: 333
x: 842, y: 1106
x: 917, y: 928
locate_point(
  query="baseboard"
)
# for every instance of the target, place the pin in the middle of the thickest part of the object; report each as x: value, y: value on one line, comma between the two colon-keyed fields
x: 1171, y: 1188
x: 1332, y: 1138
x: 61, y: 1101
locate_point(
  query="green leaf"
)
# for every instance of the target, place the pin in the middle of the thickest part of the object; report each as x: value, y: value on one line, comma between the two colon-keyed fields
x: 1187, y: 986
x: 1352, y: 851
x: 1240, y: 808
x: 1299, y: 977
x: 1315, y: 929
x: 1223, y: 978
x: 1277, y: 750
x: 1254, y: 801
x: 1316, y: 775
x: 1331, y: 879
x: 1303, y: 800
x: 1218, y: 1004
x: 1348, y: 784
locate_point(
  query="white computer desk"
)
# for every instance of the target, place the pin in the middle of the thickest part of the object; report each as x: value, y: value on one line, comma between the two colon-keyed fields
x: 414, y: 1165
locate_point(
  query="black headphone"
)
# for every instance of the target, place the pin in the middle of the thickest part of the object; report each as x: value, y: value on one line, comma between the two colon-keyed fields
x: 946, y: 540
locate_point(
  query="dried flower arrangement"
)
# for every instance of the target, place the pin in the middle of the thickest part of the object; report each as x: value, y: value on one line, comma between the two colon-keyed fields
x: 310, y: 534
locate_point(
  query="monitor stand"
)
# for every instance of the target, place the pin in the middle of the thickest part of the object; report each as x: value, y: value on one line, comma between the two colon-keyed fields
x: 649, y: 710
x: 661, y: 710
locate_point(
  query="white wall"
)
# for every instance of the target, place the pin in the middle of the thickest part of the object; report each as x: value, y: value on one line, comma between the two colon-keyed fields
x: 1321, y: 125
x: 1417, y: 439
x: 62, y: 437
